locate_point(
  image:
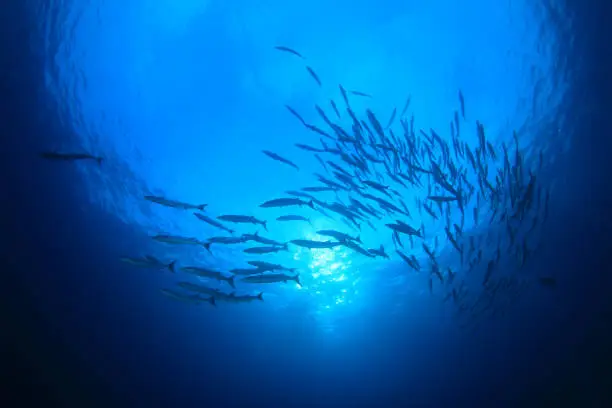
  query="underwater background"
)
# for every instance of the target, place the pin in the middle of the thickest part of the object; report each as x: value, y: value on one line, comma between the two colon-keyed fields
x: 180, y: 98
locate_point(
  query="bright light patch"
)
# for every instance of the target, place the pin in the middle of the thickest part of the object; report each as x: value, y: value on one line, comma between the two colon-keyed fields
x: 331, y: 272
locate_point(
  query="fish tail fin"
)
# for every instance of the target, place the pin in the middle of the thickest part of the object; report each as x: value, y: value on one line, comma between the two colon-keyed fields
x: 309, y: 222
x: 260, y: 296
x: 172, y: 266
x: 99, y: 160
x: 212, y: 301
x: 358, y: 239
x: 297, y: 279
x: 231, y: 282
x: 201, y: 207
x: 265, y: 225
x: 311, y: 204
x: 207, y: 246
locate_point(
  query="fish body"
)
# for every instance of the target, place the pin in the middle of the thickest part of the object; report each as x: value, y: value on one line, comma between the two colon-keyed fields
x: 286, y: 202
x: 209, y: 273
x: 340, y: 236
x: 243, y: 219
x: 148, y: 262
x: 174, y: 204
x: 194, y: 299
x: 265, y: 249
x: 279, y: 158
x: 213, y: 222
x: 272, y: 278
x: 267, y: 266
x: 293, y: 218
x: 179, y: 240
x: 305, y: 243
x: 70, y: 156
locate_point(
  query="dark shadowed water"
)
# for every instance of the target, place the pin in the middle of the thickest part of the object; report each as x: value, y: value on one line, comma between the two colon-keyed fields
x: 181, y: 97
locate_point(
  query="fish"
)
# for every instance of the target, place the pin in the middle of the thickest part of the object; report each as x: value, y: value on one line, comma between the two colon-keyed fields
x: 281, y: 159
x: 462, y: 104
x: 265, y: 250
x: 70, y: 157
x: 272, y: 278
x: 149, y: 261
x: 286, y: 202
x: 187, y: 298
x: 174, y: 204
x: 267, y: 266
x: 288, y: 50
x: 212, y: 222
x: 358, y: 93
x: 233, y: 298
x: 305, y: 243
x: 179, y: 240
x: 209, y: 273
x: 247, y: 271
x: 293, y: 218
x: 379, y: 252
x: 243, y: 219
x: 340, y: 236
x: 314, y: 75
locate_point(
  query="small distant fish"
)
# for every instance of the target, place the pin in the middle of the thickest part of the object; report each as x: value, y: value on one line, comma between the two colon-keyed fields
x: 213, y: 222
x: 281, y: 159
x: 272, y: 278
x: 70, y: 156
x: 286, y: 202
x: 233, y: 298
x: 462, y: 104
x: 179, y: 240
x: 297, y: 115
x: 314, y: 75
x: 293, y: 218
x: 247, y: 271
x: 289, y: 50
x: 174, y: 204
x: 267, y: 266
x: 148, y: 261
x: 340, y: 236
x: 243, y: 219
x: 265, y: 249
x: 187, y: 298
x: 379, y: 252
x: 209, y: 273
x: 358, y: 93
x: 442, y: 199
x: 305, y: 243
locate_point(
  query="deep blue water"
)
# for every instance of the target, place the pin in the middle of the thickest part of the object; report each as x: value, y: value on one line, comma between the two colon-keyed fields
x: 181, y: 97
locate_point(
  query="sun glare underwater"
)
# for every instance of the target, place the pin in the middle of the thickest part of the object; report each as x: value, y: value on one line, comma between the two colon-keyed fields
x: 412, y: 138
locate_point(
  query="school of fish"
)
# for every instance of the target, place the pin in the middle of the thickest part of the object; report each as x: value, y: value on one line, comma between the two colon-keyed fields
x: 370, y: 169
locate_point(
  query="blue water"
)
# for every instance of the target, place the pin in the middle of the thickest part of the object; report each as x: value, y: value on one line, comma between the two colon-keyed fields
x: 181, y: 97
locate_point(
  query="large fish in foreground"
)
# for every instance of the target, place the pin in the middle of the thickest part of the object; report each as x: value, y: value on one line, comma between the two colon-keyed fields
x: 174, y: 204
